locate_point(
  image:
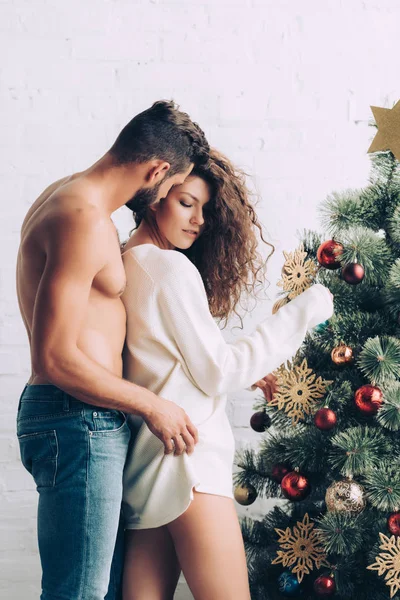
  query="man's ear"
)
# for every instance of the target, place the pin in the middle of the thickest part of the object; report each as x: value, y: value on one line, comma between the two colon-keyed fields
x: 157, y: 171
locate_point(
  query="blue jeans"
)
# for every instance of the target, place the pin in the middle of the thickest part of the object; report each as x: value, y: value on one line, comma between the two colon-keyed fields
x: 76, y: 454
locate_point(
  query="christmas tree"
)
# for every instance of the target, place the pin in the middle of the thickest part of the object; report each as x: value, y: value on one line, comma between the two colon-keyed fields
x: 330, y: 441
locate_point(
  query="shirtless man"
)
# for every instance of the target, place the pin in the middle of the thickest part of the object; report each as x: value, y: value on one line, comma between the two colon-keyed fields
x: 71, y: 424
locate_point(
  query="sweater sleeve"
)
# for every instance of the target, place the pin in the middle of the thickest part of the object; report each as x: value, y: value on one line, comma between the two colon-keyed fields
x: 216, y: 366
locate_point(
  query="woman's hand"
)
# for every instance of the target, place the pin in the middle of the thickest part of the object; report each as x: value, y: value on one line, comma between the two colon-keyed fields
x: 268, y: 385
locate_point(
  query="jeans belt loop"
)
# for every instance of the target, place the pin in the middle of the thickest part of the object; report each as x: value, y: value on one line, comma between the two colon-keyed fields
x: 20, y: 398
x: 66, y: 402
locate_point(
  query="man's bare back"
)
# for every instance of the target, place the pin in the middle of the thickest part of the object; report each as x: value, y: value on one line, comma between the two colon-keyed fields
x: 103, y: 321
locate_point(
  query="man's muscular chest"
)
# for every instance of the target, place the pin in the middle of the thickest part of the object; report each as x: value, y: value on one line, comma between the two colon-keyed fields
x: 111, y: 280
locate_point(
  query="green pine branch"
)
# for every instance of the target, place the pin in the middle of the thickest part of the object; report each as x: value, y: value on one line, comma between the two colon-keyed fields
x: 342, y: 533
x: 353, y: 329
x: 357, y: 449
x: 389, y: 413
x: 392, y: 291
x: 254, y: 471
x: 393, y: 226
x: 383, y: 485
x: 350, y: 208
x: 311, y: 241
x: 379, y: 360
x: 361, y: 245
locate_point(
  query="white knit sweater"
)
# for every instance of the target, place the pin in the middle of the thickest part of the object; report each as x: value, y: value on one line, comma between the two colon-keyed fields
x: 175, y: 349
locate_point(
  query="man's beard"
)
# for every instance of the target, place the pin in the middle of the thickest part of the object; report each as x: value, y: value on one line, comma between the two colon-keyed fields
x: 143, y: 198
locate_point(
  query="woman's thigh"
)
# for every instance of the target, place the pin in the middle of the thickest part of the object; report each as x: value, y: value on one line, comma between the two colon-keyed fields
x: 151, y: 569
x: 210, y: 549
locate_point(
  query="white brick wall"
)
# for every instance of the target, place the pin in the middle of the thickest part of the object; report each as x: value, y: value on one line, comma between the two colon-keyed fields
x: 283, y: 88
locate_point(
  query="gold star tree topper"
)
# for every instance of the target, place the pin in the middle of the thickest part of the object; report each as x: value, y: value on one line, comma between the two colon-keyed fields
x: 299, y: 390
x: 389, y: 560
x: 388, y: 136
x: 301, y: 546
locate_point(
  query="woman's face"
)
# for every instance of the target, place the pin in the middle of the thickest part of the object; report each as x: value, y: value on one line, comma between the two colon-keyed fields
x: 179, y: 216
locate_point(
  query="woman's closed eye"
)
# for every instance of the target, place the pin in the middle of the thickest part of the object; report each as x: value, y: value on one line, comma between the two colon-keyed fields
x: 185, y: 204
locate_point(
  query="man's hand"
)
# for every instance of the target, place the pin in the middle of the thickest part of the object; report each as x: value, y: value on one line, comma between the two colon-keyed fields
x: 268, y: 385
x: 172, y: 426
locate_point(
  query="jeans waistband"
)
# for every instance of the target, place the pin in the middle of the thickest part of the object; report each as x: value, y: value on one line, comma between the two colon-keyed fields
x: 50, y: 393
x: 47, y: 391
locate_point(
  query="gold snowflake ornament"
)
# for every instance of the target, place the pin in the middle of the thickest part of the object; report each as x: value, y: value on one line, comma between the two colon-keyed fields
x: 389, y: 561
x: 300, y: 547
x: 299, y: 390
x: 297, y: 272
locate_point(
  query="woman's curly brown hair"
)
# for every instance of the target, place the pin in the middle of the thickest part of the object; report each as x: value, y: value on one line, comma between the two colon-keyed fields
x: 226, y: 253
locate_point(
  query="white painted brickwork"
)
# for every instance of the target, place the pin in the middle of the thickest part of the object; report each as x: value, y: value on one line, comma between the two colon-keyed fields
x: 282, y: 87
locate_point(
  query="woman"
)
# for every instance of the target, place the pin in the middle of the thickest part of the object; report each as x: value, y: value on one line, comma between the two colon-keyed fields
x: 179, y: 508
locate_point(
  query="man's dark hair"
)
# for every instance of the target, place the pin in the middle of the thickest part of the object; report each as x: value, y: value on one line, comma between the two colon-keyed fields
x: 162, y: 132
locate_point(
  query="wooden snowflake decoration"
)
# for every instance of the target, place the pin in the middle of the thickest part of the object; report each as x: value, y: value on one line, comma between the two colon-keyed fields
x: 389, y: 561
x: 297, y: 272
x: 299, y: 390
x: 300, y: 547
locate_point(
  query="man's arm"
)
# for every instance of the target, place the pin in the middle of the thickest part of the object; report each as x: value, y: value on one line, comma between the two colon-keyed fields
x: 76, y: 252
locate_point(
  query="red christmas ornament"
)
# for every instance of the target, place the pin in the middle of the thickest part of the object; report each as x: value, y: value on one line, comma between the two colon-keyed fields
x: 295, y: 486
x: 328, y: 253
x: 353, y: 273
x: 325, y: 586
x: 393, y: 523
x: 260, y: 421
x: 325, y: 419
x: 279, y: 471
x: 368, y: 399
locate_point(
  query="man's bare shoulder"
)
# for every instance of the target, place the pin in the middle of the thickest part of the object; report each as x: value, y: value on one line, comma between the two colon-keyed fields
x: 75, y: 217
x: 76, y: 206
x: 40, y: 202
x: 79, y: 235
x: 61, y: 197
x: 71, y: 222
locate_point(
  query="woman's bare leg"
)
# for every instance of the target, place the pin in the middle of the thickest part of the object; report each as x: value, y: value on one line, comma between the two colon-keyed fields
x: 151, y: 569
x: 210, y: 549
